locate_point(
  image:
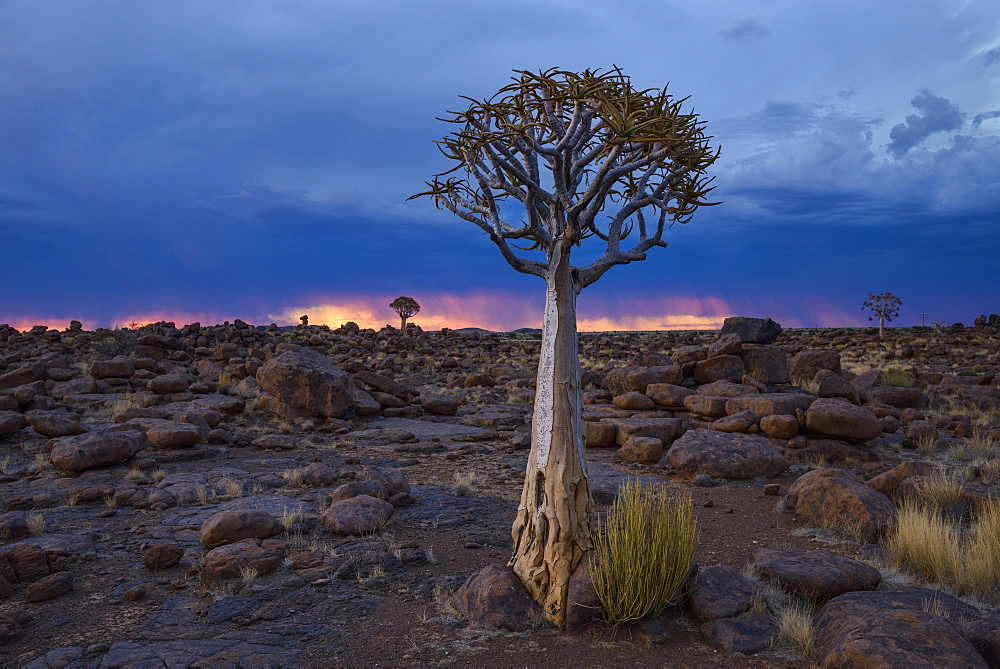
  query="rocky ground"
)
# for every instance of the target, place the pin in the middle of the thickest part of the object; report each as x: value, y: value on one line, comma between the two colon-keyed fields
x: 231, y: 496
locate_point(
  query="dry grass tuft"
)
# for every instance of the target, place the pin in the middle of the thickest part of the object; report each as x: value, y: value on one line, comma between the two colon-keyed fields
x: 796, y: 627
x: 464, y: 483
x: 36, y: 523
x: 897, y: 377
x: 643, y: 551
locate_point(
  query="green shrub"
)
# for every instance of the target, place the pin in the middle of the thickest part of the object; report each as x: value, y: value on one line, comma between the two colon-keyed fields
x: 643, y: 550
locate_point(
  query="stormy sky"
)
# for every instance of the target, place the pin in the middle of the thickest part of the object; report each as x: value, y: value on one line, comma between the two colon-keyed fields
x: 245, y: 159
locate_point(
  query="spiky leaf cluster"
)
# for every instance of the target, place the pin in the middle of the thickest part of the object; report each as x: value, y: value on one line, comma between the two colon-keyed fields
x: 883, y: 306
x: 586, y: 154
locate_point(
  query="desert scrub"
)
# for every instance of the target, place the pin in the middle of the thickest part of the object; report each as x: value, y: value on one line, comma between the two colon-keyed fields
x: 642, y: 553
x: 797, y: 628
x: 931, y: 545
x: 464, y: 483
x: 897, y: 377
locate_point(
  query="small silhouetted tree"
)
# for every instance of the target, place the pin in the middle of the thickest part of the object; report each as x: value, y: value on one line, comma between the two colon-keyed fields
x: 884, y: 307
x: 588, y: 157
x: 405, y: 307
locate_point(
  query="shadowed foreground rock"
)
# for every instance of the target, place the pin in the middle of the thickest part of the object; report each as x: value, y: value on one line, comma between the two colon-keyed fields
x: 494, y: 597
x: 720, y: 592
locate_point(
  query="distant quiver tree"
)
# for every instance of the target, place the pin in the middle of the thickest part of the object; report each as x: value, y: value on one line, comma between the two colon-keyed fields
x: 588, y: 157
x: 405, y: 307
x: 884, y: 307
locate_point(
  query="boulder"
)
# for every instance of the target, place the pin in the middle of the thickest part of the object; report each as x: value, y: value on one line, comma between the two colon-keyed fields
x: 834, y: 385
x: 984, y: 634
x: 839, y: 419
x: 635, y: 379
x: 230, y: 560
x: 711, y: 406
x: 727, y: 389
x: 720, y: 592
x: 274, y: 442
x: 770, y: 404
x: 440, y: 404
x: 818, y: 575
x: 752, y: 330
x: 27, y: 373
x: 168, y: 434
x: 49, y: 587
x: 119, y: 367
x: 355, y: 488
x: 668, y: 395
x: 730, y: 456
x: 726, y: 344
x: 83, y: 386
x: 54, y: 423
x: 309, y: 380
x: 838, y: 499
x: 10, y: 422
x: 901, y: 398
x: 892, y: 628
x: 779, y: 426
x: 633, y: 401
x: 162, y: 556
x: 664, y: 429
x: 769, y: 361
x: 720, y: 367
x: 357, y: 516
x: 232, y: 525
x: 805, y: 364
x: 888, y: 482
x: 394, y: 480
x: 641, y: 449
x: 738, y: 422
x: 318, y: 475
x: 97, y: 449
x: 495, y: 597
x: 740, y: 635
x: 596, y: 435
x: 169, y: 383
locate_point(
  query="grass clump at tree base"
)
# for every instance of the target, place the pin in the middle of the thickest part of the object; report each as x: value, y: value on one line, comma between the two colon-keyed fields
x: 643, y: 551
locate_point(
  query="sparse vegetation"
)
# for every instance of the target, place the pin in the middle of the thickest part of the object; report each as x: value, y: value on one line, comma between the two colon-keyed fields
x: 643, y: 551
x: 897, y: 377
x: 36, y: 523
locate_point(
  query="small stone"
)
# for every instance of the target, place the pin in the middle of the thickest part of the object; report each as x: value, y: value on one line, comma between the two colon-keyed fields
x: 772, y: 488
x: 49, y: 587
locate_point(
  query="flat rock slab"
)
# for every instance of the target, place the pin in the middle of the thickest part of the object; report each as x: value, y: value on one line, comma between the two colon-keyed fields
x: 425, y: 429
x: 725, y: 455
x: 740, y: 635
x: 74, y: 544
x: 817, y: 575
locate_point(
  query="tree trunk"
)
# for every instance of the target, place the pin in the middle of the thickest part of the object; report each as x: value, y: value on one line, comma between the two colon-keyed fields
x: 402, y: 323
x: 881, y: 326
x: 552, y: 530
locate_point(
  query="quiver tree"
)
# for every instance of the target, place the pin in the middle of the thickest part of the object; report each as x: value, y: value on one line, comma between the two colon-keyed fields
x: 884, y: 307
x: 588, y: 157
x: 405, y: 307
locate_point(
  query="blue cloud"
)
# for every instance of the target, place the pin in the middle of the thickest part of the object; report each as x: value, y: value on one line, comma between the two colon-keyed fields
x: 747, y: 28
x: 937, y: 115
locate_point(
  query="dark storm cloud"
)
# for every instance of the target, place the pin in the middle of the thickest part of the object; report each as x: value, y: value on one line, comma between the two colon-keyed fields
x: 747, y: 28
x: 937, y: 114
x: 985, y: 116
x: 991, y: 56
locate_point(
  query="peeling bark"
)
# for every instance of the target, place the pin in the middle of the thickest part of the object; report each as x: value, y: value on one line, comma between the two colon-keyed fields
x: 552, y: 530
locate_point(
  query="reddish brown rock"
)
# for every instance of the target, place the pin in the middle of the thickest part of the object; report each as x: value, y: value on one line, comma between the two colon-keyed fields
x: 891, y: 629
x: 169, y: 383
x: 10, y: 630
x: 738, y: 422
x: 817, y: 575
x: 712, y: 406
x: 780, y: 426
x: 54, y: 423
x: 358, y: 515
x: 494, y: 597
x: 394, y: 480
x: 355, y: 488
x: 839, y: 419
x: 834, y: 385
x: 731, y: 456
x: 309, y: 380
x: 49, y: 587
x: 888, y: 482
x: 840, y: 500
x: 97, y: 449
x: 10, y: 422
x: 720, y: 592
x: 668, y: 395
x: 633, y: 401
x: 770, y: 404
x: 726, y: 344
x: 664, y: 429
x: 636, y: 379
x: 900, y: 398
x: 233, y: 525
x: 162, y: 556
x: 169, y: 434
x: 805, y: 364
x: 752, y: 330
x: 440, y: 404
x: 641, y: 449
x: 318, y: 475
x: 597, y: 435
x: 769, y: 361
x: 719, y: 368
x: 119, y: 367
x: 740, y: 635
x: 274, y: 442
x: 231, y: 560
